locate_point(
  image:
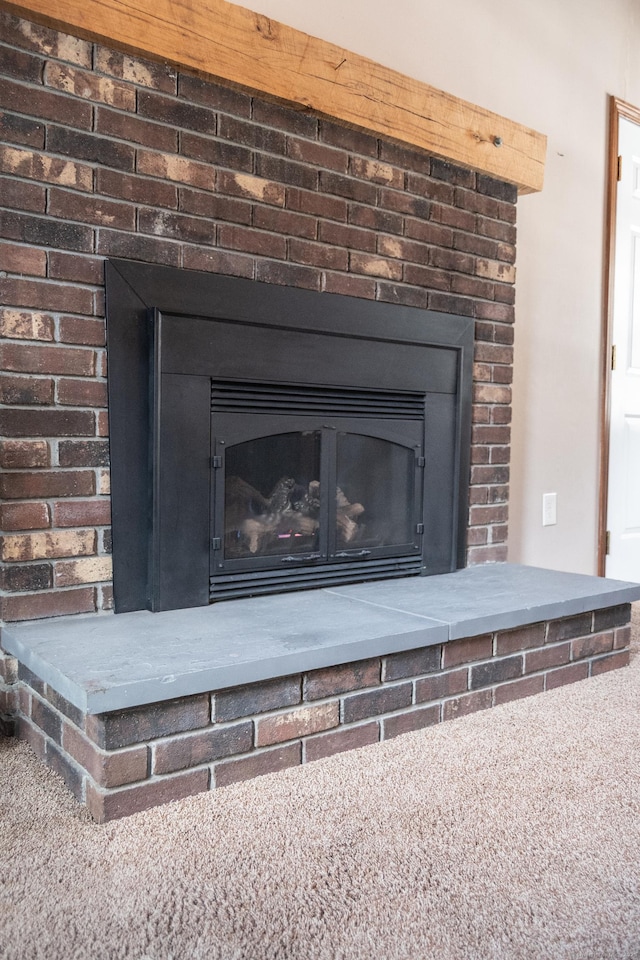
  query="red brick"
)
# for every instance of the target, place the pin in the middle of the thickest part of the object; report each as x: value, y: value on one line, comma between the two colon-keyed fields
x: 426, y: 277
x: 106, y: 769
x: 570, y: 674
x: 288, y: 274
x: 79, y: 513
x: 412, y: 663
x: 301, y: 722
x: 219, y: 153
x: 489, y: 554
x: 551, y: 656
x: 257, y: 764
x: 82, y: 393
x: 349, y: 285
x: 495, y: 230
x: 469, y: 648
x: 105, y: 806
x: 407, y: 204
x: 315, y: 204
x: 375, y: 266
x: 33, y: 736
x: 592, y: 646
x: 569, y: 627
x: 256, y: 698
x: 24, y: 516
x: 22, y: 325
x: 113, y: 243
x: 21, y: 195
x: 178, y: 169
x: 194, y: 749
x: 136, y: 130
x: 502, y: 312
x: 332, y: 681
x: 411, y: 720
x: 15, y: 258
x: 47, y: 423
x: 441, y: 685
x: 491, y: 394
x: 496, y: 513
x: 56, y: 603
x: 218, y: 261
x: 22, y: 578
x: 44, y: 545
x: 318, y: 254
x: 612, y: 662
x: 25, y: 486
x: 317, y: 154
x: 176, y: 113
x: 19, y: 454
x: 622, y: 637
x: 85, y: 453
x: 137, y: 189
x: 346, y: 738
x: 397, y: 293
x: 470, y: 703
x: 250, y: 188
x: 518, y: 689
x: 26, y: 390
x: 81, y: 331
x: 158, y: 76
x: 210, y: 95
x: 431, y: 189
x: 88, y: 146
x: 75, y: 266
x: 43, y: 104
x: 344, y: 235
x: 376, y: 702
x: 234, y: 210
x: 447, y: 303
x: 27, y: 228
x: 283, y: 171
x: 495, y: 671
x: 91, y: 210
x: 125, y: 727
x: 285, y: 222
x: 609, y: 617
x: 21, y: 130
x: 46, y: 296
x: 22, y: 33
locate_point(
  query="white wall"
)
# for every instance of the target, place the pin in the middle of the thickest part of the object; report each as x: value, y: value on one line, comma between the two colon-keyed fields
x: 548, y: 64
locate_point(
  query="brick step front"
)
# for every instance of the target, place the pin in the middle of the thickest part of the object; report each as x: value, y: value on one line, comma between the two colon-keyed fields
x: 125, y: 760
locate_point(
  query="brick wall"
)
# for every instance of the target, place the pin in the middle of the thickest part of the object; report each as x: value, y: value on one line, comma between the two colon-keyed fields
x: 123, y: 762
x: 107, y: 155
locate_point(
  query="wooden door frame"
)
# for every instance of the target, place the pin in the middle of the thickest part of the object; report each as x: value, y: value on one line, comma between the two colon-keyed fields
x: 618, y: 110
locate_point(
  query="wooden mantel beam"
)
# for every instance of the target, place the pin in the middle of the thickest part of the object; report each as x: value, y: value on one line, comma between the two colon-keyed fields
x: 224, y: 41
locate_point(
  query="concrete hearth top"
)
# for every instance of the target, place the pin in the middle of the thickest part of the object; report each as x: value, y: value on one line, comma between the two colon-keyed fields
x: 104, y: 662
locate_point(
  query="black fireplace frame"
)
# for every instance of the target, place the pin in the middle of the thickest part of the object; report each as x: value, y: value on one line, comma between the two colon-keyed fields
x: 170, y: 331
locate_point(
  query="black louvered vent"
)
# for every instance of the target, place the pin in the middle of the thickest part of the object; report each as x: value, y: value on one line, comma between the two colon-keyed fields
x: 236, y: 397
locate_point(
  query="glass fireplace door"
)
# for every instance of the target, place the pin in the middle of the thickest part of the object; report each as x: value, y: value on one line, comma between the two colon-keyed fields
x: 310, y: 491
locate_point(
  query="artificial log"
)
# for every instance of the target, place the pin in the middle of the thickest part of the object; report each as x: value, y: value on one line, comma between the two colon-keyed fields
x: 347, y: 514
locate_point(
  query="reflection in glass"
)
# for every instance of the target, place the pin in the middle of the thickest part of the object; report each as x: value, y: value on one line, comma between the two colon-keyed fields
x: 374, y: 493
x: 272, y: 496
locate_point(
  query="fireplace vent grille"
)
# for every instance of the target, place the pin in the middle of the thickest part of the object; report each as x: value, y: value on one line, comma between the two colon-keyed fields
x: 239, y: 397
x: 226, y: 587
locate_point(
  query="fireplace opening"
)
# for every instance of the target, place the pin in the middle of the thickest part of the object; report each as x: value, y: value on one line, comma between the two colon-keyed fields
x: 266, y: 438
x: 311, y: 480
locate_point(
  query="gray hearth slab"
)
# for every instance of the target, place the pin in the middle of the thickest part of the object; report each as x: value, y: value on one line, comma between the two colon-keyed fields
x: 111, y: 662
x: 106, y: 662
x: 494, y: 596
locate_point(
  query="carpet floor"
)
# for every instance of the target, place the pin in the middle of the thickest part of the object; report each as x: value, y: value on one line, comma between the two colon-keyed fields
x: 505, y: 835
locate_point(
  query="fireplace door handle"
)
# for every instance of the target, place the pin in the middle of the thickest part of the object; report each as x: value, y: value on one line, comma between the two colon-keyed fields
x: 360, y: 553
x: 302, y: 558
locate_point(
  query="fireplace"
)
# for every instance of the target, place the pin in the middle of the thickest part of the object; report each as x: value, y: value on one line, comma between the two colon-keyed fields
x: 266, y: 439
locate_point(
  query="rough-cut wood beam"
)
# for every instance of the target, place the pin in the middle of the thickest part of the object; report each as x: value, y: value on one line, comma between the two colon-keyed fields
x: 221, y: 40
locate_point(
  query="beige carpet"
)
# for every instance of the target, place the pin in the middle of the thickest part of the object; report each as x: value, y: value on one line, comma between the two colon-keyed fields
x: 513, y: 833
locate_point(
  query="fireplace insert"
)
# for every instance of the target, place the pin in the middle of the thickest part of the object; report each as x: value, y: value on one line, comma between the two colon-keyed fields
x: 266, y: 438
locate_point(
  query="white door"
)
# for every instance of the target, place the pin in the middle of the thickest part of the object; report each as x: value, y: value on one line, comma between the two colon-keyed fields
x: 623, y: 507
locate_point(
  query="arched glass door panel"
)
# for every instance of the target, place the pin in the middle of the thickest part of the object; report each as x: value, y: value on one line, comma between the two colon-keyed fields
x: 375, y: 493
x: 272, y: 496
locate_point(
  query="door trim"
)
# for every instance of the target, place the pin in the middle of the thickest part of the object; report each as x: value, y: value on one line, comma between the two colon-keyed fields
x: 618, y: 110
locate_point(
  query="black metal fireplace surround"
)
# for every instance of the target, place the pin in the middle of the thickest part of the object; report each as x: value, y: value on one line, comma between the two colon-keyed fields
x: 265, y: 438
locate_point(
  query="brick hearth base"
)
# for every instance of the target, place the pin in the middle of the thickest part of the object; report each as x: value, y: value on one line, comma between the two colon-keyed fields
x: 122, y: 761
